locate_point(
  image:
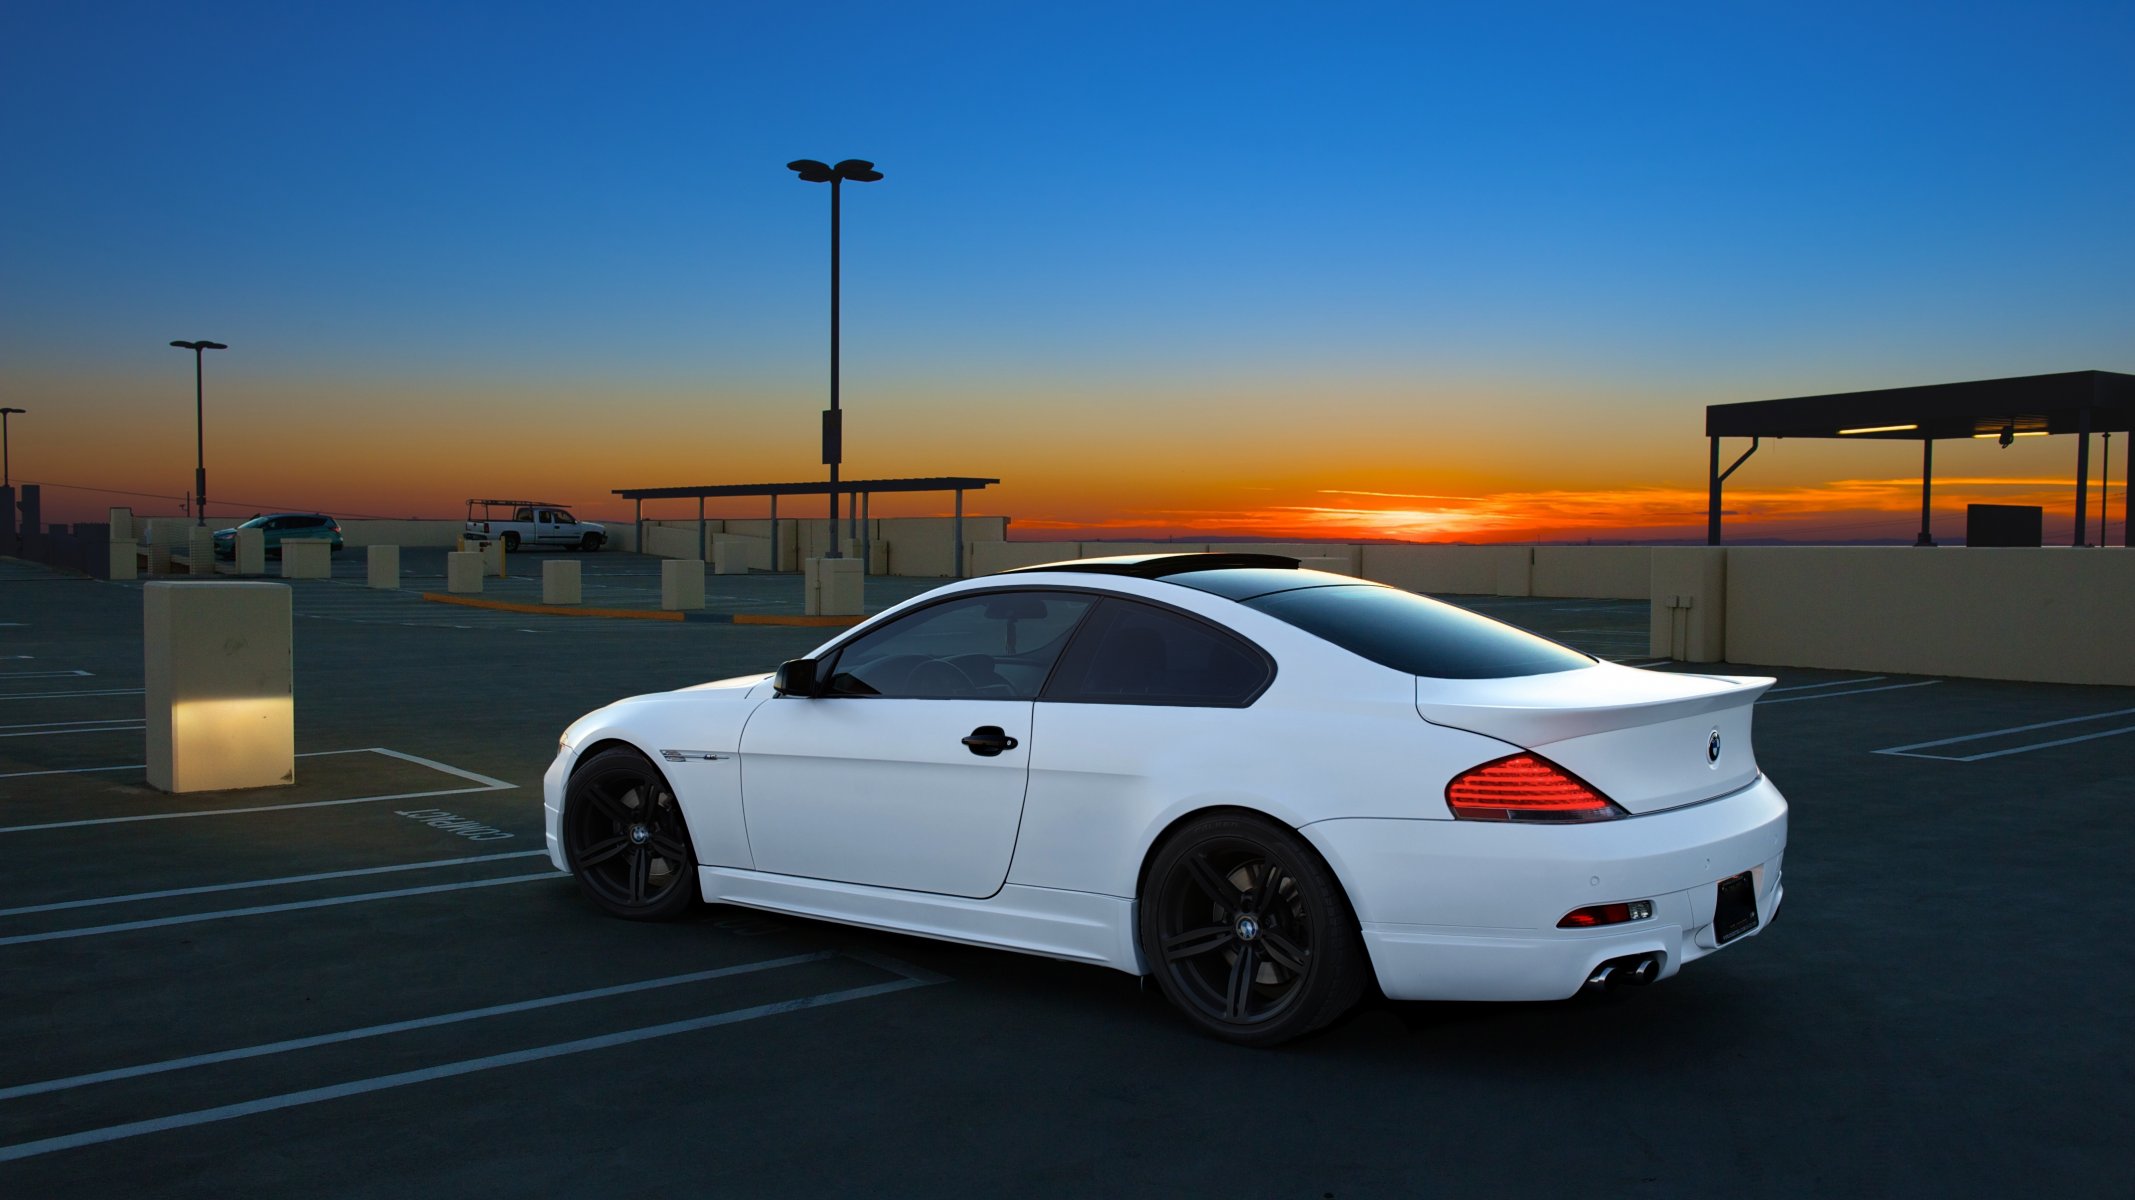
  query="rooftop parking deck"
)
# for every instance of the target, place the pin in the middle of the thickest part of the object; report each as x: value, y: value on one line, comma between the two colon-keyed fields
x: 371, y: 983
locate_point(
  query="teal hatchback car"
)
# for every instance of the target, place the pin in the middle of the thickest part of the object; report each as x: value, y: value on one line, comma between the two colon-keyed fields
x: 282, y: 527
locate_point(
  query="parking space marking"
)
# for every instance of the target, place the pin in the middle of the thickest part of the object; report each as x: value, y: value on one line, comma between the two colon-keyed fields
x: 391, y: 1027
x: 359, y: 1087
x: 1889, y: 687
x: 85, y: 721
x: 1805, y: 687
x: 45, y: 674
x: 57, y: 695
x: 257, y: 910
x: 265, y: 883
x: 486, y: 784
x: 1908, y: 750
x: 80, y: 727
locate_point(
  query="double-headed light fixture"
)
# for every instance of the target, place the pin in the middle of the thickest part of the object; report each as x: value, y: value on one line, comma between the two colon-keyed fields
x: 859, y: 170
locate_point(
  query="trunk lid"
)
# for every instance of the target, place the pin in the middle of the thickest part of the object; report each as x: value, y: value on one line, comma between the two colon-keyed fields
x: 1650, y: 740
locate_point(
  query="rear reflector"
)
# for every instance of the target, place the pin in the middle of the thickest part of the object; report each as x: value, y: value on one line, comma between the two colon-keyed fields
x: 1526, y: 787
x: 1606, y: 914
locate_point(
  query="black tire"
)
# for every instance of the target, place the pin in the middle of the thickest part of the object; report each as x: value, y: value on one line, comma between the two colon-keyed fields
x: 625, y: 840
x: 511, y: 542
x: 1242, y: 964
x: 589, y: 543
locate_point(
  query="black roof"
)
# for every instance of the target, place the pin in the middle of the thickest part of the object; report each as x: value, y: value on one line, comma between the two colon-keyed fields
x: 1157, y: 566
x: 1982, y: 407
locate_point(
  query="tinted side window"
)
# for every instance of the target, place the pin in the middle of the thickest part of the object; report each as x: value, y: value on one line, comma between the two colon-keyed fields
x: 996, y: 645
x: 1417, y: 635
x: 1132, y: 653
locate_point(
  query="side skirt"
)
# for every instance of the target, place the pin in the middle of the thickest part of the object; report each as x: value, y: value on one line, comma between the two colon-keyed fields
x: 1077, y: 926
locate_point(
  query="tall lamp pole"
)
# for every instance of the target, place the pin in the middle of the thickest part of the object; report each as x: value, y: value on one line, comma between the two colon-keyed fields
x: 200, y: 436
x: 7, y: 476
x: 859, y: 170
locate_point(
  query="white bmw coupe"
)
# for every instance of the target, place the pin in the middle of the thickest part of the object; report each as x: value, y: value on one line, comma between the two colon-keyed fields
x: 1260, y: 784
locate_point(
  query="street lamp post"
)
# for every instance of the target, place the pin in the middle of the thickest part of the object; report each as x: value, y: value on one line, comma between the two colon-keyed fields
x: 859, y: 170
x: 7, y: 475
x: 200, y: 436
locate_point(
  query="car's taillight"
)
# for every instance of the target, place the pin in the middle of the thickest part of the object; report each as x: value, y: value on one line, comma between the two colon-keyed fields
x: 1526, y: 787
x: 1607, y: 914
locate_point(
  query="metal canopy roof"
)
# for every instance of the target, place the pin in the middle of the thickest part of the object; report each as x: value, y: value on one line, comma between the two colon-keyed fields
x: 944, y: 483
x: 1981, y: 408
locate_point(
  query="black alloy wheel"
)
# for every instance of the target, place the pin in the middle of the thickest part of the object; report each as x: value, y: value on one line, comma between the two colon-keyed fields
x: 624, y: 838
x: 1248, y: 933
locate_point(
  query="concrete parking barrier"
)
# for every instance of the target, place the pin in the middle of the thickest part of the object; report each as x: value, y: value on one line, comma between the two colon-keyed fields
x: 251, y: 552
x: 221, y: 713
x: 681, y: 584
x: 304, y: 559
x: 200, y: 551
x: 834, y: 587
x: 560, y: 582
x: 124, y: 555
x: 463, y: 571
x: 383, y: 564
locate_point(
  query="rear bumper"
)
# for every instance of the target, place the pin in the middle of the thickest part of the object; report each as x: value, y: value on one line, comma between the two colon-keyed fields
x: 1467, y: 910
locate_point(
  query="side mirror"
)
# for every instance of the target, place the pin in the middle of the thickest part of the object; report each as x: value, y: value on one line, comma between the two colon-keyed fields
x: 795, y: 677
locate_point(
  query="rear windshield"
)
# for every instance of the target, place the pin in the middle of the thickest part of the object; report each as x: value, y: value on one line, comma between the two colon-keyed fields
x: 1416, y: 635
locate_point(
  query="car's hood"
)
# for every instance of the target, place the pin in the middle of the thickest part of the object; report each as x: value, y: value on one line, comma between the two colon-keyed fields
x: 737, y: 683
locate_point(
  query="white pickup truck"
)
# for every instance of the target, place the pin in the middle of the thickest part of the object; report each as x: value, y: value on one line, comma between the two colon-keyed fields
x: 519, y: 523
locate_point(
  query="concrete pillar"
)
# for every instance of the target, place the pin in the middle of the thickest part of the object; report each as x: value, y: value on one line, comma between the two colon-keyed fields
x: 305, y: 559
x: 493, y: 559
x: 835, y: 587
x: 1689, y: 608
x: 124, y: 557
x: 560, y: 582
x: 122, y: 529
x: 384, y: 566
x: 463, y: 571
x: 251, y: 556
x: 200, y: 550
x: 220, y: 709
x: 159, y: 558
x: 729, y: 557
x: 681, y: 584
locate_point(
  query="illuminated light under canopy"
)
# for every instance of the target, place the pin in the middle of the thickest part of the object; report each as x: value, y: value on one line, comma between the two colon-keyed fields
x: 2014, y: 433
x: 1876, y: 429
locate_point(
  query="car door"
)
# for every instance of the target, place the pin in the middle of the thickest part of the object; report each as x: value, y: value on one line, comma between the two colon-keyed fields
x: 909, y: 770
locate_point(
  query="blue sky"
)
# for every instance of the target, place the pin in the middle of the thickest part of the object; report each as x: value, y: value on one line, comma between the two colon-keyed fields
x: 1176, y: 215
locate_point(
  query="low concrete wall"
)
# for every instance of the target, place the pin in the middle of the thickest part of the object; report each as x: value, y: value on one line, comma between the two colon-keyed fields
x: 1596, y: 572
x: 400, y: 533
x: 675, y: 541
x: 1456, y: 570
x: 2056, y: 615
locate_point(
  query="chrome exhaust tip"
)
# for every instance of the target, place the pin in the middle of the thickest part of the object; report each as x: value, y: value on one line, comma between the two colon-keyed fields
x: 1603, y: 976
x: 1632, y: 970
x: 1644, y: 971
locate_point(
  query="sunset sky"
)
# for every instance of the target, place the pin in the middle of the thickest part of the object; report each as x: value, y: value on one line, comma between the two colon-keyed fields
x: 1462, y: 271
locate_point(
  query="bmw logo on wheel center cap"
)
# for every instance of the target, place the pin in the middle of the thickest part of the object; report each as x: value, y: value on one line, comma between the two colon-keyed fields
x: 1248, y: 929
x: 639, y: 834
x: 1712, y: 749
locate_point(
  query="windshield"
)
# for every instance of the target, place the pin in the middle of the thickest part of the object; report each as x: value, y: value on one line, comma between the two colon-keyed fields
x: 1417, y: 635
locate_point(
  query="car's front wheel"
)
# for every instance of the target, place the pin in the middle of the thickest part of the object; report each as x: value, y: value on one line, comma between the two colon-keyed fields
x: 624, y: 838
x: 1247, y: 931
x: 511, y: 542
x: 589, y: 543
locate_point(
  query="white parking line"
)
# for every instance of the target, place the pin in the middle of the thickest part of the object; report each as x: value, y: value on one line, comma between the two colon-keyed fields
x: 371, y: 1031
x: 44, y: 674
x: 262, y: 883
x: 1804, y: 687
x: 112, y: 1133
x: 77, y: 727
x: 61, y: 935
x: 59, y: 695
x: 1907, y: 751
x: 1889, y: 687
x: 486, y: 784
x: 85, y: 721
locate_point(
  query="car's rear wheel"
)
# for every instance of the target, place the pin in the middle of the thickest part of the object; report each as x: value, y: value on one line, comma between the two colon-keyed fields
x: 511, y: 542
x: 1247, y: 931
x: 589, y: 543
x: 624, y: 838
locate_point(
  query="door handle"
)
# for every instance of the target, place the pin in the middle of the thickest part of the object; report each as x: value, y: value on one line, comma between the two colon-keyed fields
x: 989, y: 740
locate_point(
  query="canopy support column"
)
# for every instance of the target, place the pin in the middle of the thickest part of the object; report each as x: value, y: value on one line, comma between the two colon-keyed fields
x: 957, y: 531
x: 637, y: 527
x: 2083, y: 482
x: 1927, y: 489
x: 701, y: 547
x: 1718, y: 477
x: 867, y: 541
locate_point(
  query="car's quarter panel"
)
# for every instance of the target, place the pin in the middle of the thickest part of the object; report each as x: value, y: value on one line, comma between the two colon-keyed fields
x: 1467, y: 910
x: 882, y: 791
